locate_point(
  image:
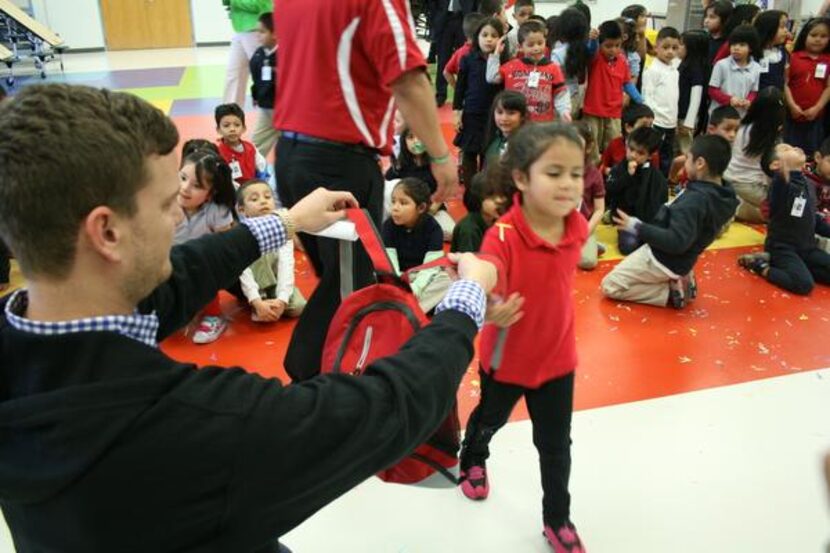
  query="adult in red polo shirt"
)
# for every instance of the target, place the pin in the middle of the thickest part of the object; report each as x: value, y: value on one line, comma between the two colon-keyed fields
x: 344, y: 65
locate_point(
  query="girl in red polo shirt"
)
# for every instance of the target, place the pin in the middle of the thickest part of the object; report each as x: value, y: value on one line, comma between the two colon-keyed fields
x: 808, y: 86
x: 537, y: 244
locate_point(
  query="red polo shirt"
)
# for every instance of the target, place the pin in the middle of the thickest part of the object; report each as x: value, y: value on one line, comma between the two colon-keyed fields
x: 516, y: 73
x: 542, y: 345
x: 454, y: 65
x: 604, y: 93
x: 805, y: 86
x: 338, y: 59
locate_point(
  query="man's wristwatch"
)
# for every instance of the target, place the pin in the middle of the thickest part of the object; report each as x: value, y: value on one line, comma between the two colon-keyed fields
x: 288, y: 223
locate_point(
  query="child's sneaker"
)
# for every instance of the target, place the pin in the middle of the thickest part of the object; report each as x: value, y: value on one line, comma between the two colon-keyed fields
x: 474, y: 483
x: 564, y: 539
x: 758, y: 263
x: 209, y: 330
x: 690, y: 283
x: 677, y: 298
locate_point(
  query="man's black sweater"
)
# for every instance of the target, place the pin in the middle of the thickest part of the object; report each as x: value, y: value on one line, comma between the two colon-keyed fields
x: 683, y: 229
x: 785, y: 228
x: 107, y: 444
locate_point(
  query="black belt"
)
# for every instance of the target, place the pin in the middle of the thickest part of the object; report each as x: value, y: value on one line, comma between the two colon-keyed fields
x: 308, y: 139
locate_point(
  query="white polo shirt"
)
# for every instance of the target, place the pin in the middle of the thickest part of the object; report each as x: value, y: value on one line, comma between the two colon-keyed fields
x: 661, y: 92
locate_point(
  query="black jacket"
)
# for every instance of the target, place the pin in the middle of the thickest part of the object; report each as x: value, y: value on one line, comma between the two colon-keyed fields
x: 107, y: 444
x: 787, y: 229
x: 683, y: 229
x: 263, y: 92
x: 640, y: 195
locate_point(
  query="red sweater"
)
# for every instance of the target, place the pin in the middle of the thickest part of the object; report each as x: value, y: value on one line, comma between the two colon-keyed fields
x: 245, y: 168
x: 542, y: 345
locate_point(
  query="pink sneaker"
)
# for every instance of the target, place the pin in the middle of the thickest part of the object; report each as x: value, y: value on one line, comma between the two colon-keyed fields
x: 474, y: 482
x: 209, y: 330
x: 564, y: 539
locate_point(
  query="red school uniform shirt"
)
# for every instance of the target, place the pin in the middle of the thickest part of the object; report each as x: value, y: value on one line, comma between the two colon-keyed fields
x: 338, y: 60
x: 454, y: 65
x: 517, y: 76
x: 542, y: 345
x: 242, y: 164
x: 604, y: 93
x: 808, y: 78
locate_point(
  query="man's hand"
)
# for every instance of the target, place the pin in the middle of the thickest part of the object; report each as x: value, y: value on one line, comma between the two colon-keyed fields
x: 320, y: 209
x: 504, y: 313
x: 470, y: 267
x: 446, y: 176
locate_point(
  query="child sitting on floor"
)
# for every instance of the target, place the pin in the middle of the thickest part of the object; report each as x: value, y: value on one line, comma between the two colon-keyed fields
x: 660, y: 272
x: 268, y: 284
x: 791, y: 258
x: 636, y: 186
x: 634, y: 117
x: 484, y: 207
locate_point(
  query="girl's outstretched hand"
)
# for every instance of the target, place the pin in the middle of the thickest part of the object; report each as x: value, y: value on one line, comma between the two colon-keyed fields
x: 504, y: 313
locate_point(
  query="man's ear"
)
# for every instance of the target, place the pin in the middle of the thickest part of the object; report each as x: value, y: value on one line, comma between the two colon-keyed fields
x: 103, y: 230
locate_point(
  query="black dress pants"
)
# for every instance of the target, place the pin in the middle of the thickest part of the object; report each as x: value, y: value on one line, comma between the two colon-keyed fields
x: 450, y: 38
x: 301, y: 168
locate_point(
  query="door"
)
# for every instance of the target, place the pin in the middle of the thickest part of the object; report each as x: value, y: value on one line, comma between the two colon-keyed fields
x: 131, y: 24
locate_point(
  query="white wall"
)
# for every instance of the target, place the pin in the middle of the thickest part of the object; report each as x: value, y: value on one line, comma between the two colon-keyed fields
x: 78, y: 22
x: 602, y: 10
x: 210, y: 21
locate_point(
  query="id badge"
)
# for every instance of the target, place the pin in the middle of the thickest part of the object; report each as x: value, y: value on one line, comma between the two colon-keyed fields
x: 798, y: 206
x: 236, y: 170
x: 821, y: 71
x: 267, y: 72
x: 764, y: 65
x: 533, y: 79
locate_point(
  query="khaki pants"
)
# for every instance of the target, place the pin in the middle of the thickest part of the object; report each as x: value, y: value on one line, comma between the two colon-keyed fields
x: 684, y: 138
x: 639, y: 279
x: 265, y: 135
x: 604, y: 131
x: 750, y: 196
x: 588, y: 259
x: 243, y: 46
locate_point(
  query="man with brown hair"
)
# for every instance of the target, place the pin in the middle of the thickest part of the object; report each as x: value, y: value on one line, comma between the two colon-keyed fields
x: 107, y: 444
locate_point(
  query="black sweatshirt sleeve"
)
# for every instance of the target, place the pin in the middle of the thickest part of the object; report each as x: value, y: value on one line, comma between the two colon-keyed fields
x: 678, y: 237
x: 460, y: 87
x: 307, y: 444
x: 619, y: 180
x: 201, y: 268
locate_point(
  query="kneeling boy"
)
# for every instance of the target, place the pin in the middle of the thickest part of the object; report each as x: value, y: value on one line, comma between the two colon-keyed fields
x: 660, y: 271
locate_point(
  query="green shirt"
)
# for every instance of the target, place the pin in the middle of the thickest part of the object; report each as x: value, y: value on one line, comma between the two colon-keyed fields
x: 245, y: 14
x: 468, y: 234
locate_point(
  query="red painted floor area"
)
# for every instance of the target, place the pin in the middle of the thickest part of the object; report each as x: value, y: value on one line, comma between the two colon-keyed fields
x: 739, y: 329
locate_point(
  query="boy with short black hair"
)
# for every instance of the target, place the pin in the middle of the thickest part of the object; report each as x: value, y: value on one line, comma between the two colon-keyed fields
x: 791, y: 258
x: 534, y: 75
x: 634, y: 117
x: 484, y: 206
x: 660, y: 272
x: 469, y: 25
x: 608, y: 77
x: 661, y: 92
x: 635, y: 186
x: 268, y: 284
x: 242, y: 157
x: 522, y: 12
x: 263, y: 66
x: 724, y: 122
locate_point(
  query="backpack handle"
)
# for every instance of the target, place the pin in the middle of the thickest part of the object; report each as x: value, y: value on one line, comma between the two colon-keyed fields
x: 371, y: 240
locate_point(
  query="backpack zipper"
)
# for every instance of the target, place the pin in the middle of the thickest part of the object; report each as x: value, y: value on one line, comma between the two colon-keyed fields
x: 367, y: 342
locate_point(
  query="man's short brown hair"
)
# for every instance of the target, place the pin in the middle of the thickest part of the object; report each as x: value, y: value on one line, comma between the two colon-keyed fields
x: 65, y: 150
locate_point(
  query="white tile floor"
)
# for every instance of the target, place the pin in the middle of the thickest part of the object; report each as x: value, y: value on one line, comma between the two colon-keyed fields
x: 733, y: 469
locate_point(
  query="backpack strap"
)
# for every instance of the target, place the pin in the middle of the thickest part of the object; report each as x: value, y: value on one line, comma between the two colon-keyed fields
x: 372, y: 243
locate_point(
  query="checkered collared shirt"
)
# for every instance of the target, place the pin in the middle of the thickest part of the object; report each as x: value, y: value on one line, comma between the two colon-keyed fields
x: 268, y: 231
x: 468, y: 297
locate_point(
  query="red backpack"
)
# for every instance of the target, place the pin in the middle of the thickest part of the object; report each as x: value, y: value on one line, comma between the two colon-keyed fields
x: 375, y: 322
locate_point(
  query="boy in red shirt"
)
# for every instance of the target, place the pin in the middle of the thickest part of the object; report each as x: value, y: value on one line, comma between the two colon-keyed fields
x: 242, y: 157
x: 608, y: 78
x: 538, y: 78
x: 471, y: 21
